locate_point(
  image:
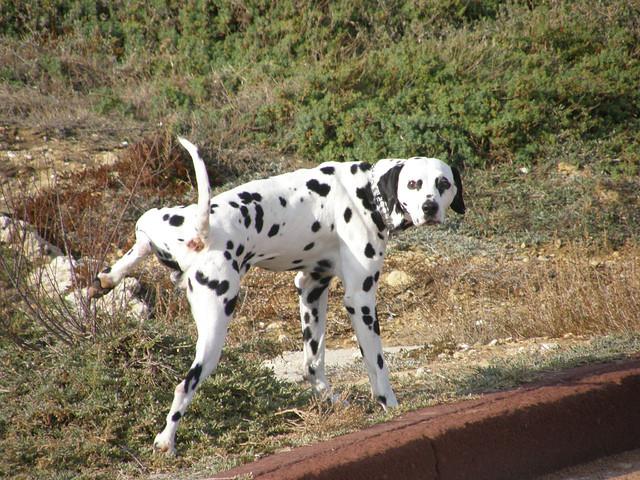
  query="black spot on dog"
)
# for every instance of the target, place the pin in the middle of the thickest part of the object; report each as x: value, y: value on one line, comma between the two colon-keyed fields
x: 247, y: 258
x: 367, y: 319
x: 256, y: 197
x: 316, y: 293
x: 351, y: 310
x: 328, y: 170
x: 229, y: 245
x: 308, y: 246
x: 192, y: 376
x: 168, y: 262
x: 176, y: 220
x: 165, y: 217
x: 307, y: 317
x: 201, y: 278
x: 364, y: 166
x: 369, y: 251
x: 366, y: 196
x: 367, y: 284
x: 312, y: 371
x: 379, y: 221
x: 306, y: 334
x: 283, y: 202
x: 246, y: 197
x: 230, y: 306
x: 244, y: 211
x: 227, y: 255
x: 219, y: 287
x: 347, y: 214
x: 376, y: 327
x: 106, y: 270
x: 324, y: 264
x: 366, y: 310
x: 295, y: 262
x: 273, y: 231
x: 239, y: 250
x: 189, y: 284
x: 235, y: 266
x: 234, y: 204
x: 259, y: 218
x: 314, y: 346
x: 376, y: 276
x: 380, y: 362
x: 315, y: 227
x: 176, y: 416
x: 354, y: 168
x: 321, y: 189
x: 382, y: 399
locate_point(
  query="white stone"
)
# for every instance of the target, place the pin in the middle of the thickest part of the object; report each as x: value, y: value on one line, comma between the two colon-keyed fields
x: 23, y: 237
x: 398, y: 278
x: 55, y: 278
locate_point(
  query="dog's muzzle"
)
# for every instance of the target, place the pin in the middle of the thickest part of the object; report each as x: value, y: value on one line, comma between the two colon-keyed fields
x: 430, y: 210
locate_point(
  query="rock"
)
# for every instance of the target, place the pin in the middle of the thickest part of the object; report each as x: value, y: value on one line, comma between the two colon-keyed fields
x: 275, y: 326
x: 398, y: 278
x: 23, y: 237
x: 55, y: 278
x: 121, y: 300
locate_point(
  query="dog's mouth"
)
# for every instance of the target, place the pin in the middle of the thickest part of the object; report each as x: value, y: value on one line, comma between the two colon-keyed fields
x: 432, y: 221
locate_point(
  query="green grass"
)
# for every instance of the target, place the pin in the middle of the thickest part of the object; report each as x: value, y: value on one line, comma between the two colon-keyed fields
x: 82, y: 409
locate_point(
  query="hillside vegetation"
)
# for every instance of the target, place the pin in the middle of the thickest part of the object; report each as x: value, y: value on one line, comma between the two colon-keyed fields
x: 477, y: 82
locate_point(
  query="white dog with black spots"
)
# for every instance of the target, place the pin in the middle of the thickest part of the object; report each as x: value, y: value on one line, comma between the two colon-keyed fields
x: 332, y: 220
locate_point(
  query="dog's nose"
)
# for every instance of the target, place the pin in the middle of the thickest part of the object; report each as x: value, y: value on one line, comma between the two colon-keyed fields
x: 430, y: 208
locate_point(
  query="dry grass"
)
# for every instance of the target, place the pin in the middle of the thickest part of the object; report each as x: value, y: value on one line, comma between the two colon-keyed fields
x: 449, y: 301
x: 478, y: 299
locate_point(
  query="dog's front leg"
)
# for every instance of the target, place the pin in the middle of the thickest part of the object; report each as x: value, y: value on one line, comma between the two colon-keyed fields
x: 360, y: 279
x: 313, y: 291
x: 212, y: 294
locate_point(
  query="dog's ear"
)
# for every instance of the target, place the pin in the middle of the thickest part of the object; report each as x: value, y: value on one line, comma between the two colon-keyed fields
x: 388, y: 187
x: 458, y: 202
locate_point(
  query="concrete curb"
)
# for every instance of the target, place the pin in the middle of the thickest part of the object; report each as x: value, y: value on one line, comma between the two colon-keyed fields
x: 577, y: 416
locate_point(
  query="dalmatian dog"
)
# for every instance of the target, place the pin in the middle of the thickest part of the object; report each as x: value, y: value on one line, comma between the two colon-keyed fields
x: 332, y: 220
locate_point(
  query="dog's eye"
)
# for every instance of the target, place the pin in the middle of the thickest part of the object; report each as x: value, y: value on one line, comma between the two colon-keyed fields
x: 442, y: 184
x: 413, y: 185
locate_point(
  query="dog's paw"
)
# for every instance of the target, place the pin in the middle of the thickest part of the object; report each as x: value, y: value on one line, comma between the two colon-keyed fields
x: 388, y: 401
x: 96, y: 290
x: 164, y: 445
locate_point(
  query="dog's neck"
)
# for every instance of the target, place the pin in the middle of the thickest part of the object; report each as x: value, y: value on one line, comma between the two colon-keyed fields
x: 392, y: 213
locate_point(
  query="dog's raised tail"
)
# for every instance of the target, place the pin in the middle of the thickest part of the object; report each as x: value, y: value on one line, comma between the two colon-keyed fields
x: 204, y: 194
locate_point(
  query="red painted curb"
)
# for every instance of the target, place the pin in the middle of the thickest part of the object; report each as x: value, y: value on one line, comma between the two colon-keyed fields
x: 579, y: 415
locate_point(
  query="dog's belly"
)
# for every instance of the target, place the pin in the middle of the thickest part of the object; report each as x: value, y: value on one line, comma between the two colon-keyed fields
x: 322, y: 261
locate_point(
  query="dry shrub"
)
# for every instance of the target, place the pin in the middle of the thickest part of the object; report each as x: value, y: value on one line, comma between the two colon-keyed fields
x: 92, y: 211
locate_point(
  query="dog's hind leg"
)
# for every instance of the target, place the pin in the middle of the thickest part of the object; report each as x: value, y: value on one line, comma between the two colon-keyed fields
x: 111, y: 276
x: 212, y: 291
x: 312, y: 288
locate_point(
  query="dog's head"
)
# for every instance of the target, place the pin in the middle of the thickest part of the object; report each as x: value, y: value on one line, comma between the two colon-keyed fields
x: 421, y: 189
